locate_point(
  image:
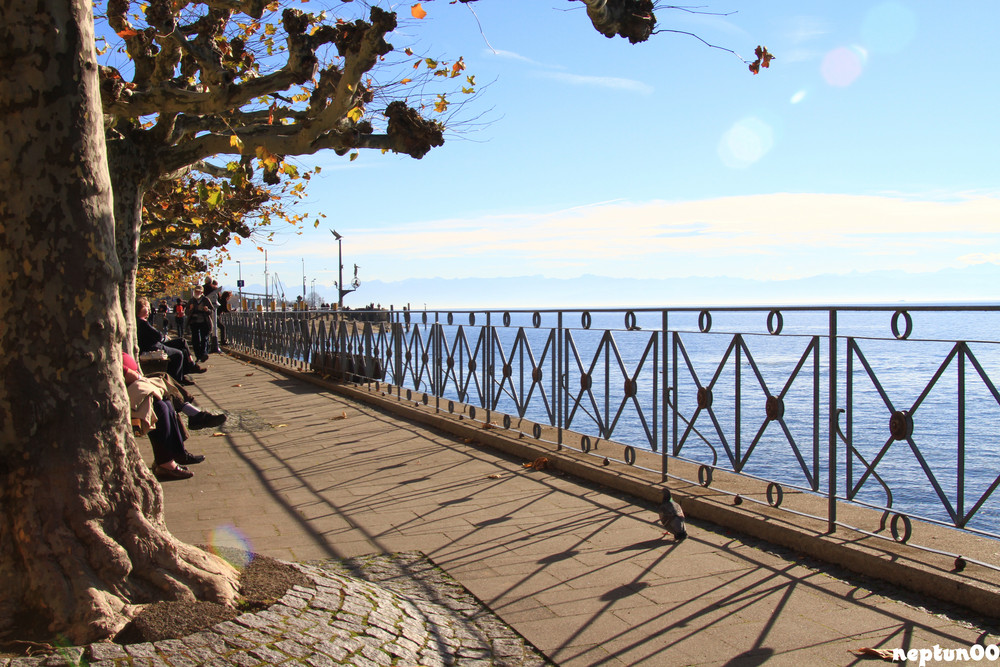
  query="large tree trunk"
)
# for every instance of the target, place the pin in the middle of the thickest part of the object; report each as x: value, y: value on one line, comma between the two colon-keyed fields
x: 82, y: 535
x: 128, y: 180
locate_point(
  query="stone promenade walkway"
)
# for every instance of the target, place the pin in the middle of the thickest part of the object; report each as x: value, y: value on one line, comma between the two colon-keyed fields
x: 582, y: 574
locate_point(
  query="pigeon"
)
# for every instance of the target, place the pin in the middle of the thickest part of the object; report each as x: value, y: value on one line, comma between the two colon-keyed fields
x: 672, y: 517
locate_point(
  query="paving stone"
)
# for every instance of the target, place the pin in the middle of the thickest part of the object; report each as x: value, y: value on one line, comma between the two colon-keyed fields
x: 105, y: 651
x: 292, y: 648
x: 268, y: 655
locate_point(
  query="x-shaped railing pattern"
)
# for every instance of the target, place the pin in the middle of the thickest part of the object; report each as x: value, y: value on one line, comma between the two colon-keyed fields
x: 719, y: 410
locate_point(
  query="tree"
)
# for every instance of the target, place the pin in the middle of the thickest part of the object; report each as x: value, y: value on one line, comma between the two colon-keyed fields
x: 82, y: 535
x: 188, y: 223
x: 198, y: 91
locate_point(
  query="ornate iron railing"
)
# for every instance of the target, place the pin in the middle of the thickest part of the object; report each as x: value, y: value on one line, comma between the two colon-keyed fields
x: 886, y: 408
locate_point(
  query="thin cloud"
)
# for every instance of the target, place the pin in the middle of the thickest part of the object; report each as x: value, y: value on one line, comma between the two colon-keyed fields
x: 611, y: 82
x: 807, y: 233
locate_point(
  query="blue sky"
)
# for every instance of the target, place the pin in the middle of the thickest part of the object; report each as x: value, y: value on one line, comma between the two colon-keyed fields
x: 871, y: 144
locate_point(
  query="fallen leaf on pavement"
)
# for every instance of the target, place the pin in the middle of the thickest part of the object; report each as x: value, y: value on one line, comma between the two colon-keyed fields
x: 249, y: 374
x: 237, y: 385
x: 881, y: 654
x: 218, y: 435
x: 538, y: 464
x: 495, y: 475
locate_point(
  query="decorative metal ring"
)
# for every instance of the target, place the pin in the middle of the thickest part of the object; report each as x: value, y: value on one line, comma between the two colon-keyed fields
x: 409, y: 395
x: 506, y: 319
x: 630, y: 320
x: 451, y: 318
x: 507, y: 370
x: 472, y: 365
x: 704, y: 398
x: 450, y: 361
x: 774, y: 408
x: 472, y: 412
x: 451, y: 406
x: 536, y: 374
x: 408, y: 356
x: 506, y: 421
x: 630, y: 455
x: 775, y: 322
x: 585, y: 381
x: 424, y: 317
x: 585, y: 319
x: 536, y: 431
x: 704, y: 321
x: 585, y: 443
x: 631, y: 387
x: 705, y: 476
x: 901, y: 425
x: 472, y: 319
x: 536, y: 319
x: 775, y: 494
x: 907, y: 528
x: 908, y: 322
x: 425, y: 357
x: 425, y: 399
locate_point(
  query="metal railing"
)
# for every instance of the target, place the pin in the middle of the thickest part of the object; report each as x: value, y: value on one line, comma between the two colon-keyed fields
x: 884, y: 408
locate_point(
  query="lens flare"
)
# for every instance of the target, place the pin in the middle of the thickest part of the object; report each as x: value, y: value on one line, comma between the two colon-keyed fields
x: 843, y: 65
x: 229, y: 544
x: 745, y: 143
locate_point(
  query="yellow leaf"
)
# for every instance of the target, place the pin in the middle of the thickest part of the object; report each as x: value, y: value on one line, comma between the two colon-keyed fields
x: 354, y: 156
x: 355, y: 114
x: 236, y: 143
x: 418, y: 11
x: 237, y: 240
x: 406, y: 80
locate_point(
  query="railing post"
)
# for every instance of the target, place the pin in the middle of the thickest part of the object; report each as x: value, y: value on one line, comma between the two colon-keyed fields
x: 665, y: 393
x: 397, y: 352
x: 557, y: 381
x: 832, y: 488
x: 487, y: 362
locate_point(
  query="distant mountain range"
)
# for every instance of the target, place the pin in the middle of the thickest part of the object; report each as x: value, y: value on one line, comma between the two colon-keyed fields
x: 977, y: 284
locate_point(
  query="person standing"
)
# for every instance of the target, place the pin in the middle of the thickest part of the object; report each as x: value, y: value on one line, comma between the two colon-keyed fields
x: 199, y: 318
x: 161, y: 315
x: 212, y: 294
x: 179, y: 316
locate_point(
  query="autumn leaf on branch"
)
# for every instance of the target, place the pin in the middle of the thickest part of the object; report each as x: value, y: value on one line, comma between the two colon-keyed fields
x: 763, y: 59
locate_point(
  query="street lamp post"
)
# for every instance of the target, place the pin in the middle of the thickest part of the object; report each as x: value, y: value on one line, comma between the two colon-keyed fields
x: 340, y: 268
x: 239, y: 281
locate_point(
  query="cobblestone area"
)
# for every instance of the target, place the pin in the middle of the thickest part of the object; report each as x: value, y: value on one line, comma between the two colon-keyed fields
x: 376, y: 611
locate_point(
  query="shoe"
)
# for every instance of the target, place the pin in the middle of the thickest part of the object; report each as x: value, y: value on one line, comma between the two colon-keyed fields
x: 190, y: 459
x: 185, y: 382
x: 206, y: 420
x: 197, y: 369
x: 203, y: 358
x: 180, y: 472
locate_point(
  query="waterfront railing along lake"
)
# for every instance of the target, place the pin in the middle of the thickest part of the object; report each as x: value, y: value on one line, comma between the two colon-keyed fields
x: 890, y: 408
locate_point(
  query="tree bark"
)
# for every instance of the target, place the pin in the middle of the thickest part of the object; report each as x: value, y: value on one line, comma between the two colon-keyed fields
x: 82, y: 535
x: 129, y: 183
